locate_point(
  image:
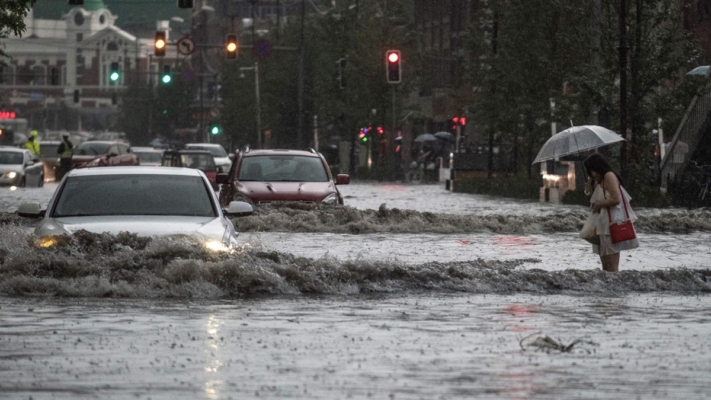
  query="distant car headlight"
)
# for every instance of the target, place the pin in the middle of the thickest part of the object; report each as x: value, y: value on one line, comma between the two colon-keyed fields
x: 330, y: 199
x: 217, y: 246
x: 11, y: 175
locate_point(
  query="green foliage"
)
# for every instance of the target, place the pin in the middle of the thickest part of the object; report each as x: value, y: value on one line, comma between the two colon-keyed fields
x: 526, y: 53
x: 517, y: 187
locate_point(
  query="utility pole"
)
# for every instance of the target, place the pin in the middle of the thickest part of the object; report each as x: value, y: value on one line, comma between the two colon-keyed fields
x: 352, y: 170
x: 623, y: 87
x: 300, y: 129
x: 255, y: 68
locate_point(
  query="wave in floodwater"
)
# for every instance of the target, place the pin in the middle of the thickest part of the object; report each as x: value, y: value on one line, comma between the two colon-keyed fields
x: 309, y: 218
x: 103, y: 265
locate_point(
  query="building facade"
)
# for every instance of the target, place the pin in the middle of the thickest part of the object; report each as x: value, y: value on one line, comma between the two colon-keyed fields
x: 58, y: 75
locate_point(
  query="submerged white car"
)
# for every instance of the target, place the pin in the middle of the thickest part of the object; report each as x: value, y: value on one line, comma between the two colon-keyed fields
x: 148, y: 201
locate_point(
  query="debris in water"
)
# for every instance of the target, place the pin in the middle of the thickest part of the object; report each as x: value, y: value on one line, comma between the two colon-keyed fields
x: 548, y: 344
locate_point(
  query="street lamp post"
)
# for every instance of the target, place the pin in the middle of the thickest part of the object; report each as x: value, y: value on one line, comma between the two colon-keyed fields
x: 255, y: 68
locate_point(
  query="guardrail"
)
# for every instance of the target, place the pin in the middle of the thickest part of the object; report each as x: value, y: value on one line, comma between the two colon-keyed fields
x: 687, y: 136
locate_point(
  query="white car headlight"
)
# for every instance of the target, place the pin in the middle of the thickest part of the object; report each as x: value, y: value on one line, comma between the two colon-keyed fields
x: 11, y: 175
x: 216, y: 246
x: 330, y: 199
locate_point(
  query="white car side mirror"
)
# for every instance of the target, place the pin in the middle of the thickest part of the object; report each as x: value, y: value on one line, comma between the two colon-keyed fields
x: 239, y: 209
x: 30, y: 210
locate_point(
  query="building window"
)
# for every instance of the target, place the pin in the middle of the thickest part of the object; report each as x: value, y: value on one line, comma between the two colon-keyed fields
x: 112, y: 46
x: 80, y: 65
x: 39, y: 75
x: 80, y: 37
x: 79, y: 19
x: 7, y: 75
x: 55, y: 76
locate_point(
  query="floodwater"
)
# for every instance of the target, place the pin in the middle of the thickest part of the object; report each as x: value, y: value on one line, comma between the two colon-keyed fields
x: 434, y: 295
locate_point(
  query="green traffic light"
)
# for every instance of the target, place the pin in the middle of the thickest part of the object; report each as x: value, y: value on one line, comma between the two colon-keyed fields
x: 215, y: 130
x: 167, y: 78
x: 365, y: 139
x: 114, y: 76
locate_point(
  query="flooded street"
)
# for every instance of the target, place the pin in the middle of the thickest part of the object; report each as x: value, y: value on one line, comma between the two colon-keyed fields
x: 454, y: 297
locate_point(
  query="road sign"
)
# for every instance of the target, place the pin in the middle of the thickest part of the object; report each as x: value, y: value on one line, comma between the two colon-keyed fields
x: 186, y: 46
x: 262, y: 48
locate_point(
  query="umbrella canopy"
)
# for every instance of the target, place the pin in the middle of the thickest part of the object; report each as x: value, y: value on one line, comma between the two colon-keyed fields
x: 702, y: 70
x: 576, y: 140
x: 425, y: 137
x: 444, y: 135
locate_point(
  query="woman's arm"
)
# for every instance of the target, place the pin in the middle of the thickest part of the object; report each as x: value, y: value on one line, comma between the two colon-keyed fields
x: 611, y: 185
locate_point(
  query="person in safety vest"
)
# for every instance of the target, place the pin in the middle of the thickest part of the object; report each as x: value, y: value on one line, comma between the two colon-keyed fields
x: 32, y: 144
x: 65, y: 152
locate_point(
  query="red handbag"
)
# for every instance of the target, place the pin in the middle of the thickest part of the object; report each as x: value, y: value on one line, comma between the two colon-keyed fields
x: 623, y: 231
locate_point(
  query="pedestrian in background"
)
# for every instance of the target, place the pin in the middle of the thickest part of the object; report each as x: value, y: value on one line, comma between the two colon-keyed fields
x: 616, y: 215
x: 32, y: 144
x: 65, y: 152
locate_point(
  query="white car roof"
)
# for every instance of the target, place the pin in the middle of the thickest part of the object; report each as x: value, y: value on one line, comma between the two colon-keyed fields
x: 146, y: 149
x: 134, y: 170
x: 12, y: 149
x: 204, y: 144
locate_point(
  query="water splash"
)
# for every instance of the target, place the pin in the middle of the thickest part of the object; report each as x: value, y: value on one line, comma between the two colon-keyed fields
x: 103, y: 265
x: 295, y: 217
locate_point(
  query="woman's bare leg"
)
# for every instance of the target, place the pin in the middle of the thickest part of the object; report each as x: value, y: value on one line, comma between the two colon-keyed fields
x: 611, y: 262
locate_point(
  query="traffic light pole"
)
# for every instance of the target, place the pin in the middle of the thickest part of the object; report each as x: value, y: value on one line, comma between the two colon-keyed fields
x: 255, y: 68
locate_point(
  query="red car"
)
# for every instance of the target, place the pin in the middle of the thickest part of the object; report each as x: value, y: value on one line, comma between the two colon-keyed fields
x: 264, y: 176
x: 103, y: 154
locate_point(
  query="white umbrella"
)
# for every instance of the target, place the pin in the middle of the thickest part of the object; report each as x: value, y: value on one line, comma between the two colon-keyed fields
x: 425, y: 137
x: 444, y: 135
x: 576, y: 140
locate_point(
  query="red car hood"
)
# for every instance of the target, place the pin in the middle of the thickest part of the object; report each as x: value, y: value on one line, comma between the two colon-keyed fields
x: 286, y: 191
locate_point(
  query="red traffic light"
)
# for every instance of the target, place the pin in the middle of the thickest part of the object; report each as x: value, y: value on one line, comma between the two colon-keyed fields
x: 393, y: 66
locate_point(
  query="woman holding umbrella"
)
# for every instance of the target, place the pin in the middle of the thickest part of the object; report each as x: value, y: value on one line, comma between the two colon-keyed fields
x: 614, y: 224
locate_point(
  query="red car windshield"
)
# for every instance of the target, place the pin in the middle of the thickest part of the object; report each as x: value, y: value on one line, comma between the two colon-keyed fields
x: 282, y: 168
x: 92, y: 149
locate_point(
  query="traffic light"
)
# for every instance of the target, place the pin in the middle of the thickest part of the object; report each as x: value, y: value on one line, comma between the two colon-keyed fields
x: 114, y: 73
x: 185, y: 3
x: 363, y: 135
x: 393, y: 66
x: 231, y: 45
x: 76, y: 2
x: 215, y: 130
x: 166, y: 77
x: 160, y: 44
x: 381, y: 131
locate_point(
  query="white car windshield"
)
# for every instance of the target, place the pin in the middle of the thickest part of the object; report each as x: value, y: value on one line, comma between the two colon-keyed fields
x: 10, y: 158
x: 216, y: 151
x: 149, y: 156
x: 283, y: 169
x: 134, y: 195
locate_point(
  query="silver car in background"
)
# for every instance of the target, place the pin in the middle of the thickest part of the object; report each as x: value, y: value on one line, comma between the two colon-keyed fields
x: 222, y: 160
x: 148, y: 156
x: 20, y: 167
x: 148, y: 201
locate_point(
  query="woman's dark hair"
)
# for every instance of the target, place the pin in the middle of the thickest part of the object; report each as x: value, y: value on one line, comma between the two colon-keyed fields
x: 596, y: 162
